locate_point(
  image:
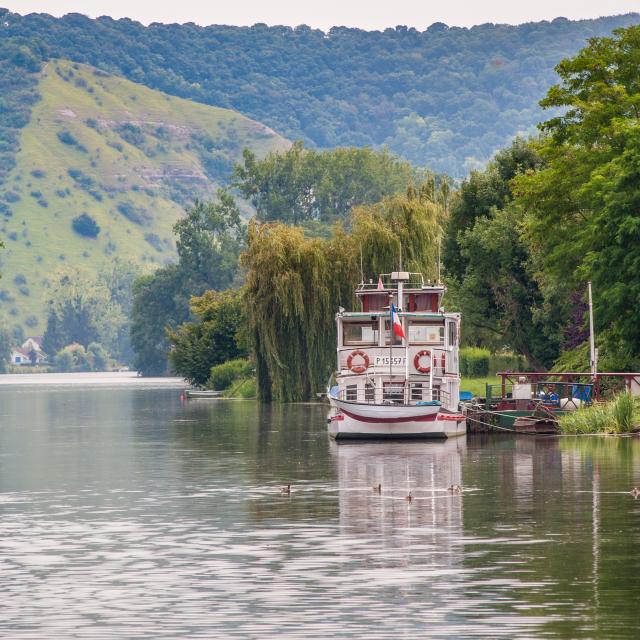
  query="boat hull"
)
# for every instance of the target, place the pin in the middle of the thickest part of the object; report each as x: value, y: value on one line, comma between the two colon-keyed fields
x: 355, y: 421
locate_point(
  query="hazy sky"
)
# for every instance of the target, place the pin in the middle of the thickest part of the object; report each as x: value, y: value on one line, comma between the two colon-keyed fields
x: 371, y: 14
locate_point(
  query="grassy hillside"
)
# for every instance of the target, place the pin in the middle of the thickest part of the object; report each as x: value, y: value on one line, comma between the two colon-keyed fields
x: 128, y: 157
x: 445, y: 97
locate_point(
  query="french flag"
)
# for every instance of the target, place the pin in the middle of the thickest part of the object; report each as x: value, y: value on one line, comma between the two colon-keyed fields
x: 395, y: 321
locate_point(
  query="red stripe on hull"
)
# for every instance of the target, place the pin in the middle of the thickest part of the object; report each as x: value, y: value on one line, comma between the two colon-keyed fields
x: 430, y: 418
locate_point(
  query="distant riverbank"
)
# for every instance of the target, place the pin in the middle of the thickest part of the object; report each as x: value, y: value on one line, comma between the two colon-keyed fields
x: 101, y: 378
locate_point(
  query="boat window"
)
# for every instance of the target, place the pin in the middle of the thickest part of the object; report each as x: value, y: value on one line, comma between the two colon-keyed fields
x: 352, y: 393
x: 369, y: 392
x: 393, y: 392
x: 416, y: 391
x: 453, y: 334
x: 396, y: 339
x: 426, y: 333
x: 360, y: 333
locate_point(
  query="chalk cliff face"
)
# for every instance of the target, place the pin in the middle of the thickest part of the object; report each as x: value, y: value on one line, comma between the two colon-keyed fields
x: 104, y: 149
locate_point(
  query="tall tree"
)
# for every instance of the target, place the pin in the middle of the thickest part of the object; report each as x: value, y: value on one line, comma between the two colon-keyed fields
x: 582, y: 205
x: 302, y: 185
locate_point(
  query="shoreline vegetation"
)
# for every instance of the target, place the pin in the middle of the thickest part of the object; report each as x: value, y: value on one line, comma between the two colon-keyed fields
x: 619, y: 416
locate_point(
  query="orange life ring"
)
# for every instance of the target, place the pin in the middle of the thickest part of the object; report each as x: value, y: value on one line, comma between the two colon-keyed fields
x: 358, y: 368
x: 418, y: 357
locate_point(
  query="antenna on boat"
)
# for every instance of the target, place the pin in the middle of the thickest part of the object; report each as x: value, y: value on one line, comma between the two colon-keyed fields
x: 593, y: 352
x: 361, y: 268
x: 439, y: 243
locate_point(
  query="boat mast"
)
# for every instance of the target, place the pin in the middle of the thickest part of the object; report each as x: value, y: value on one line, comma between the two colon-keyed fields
x: 593, y: 353
x: 390, y: 339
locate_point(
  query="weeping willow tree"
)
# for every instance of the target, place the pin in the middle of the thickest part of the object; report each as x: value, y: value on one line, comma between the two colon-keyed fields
x: 294, y: 284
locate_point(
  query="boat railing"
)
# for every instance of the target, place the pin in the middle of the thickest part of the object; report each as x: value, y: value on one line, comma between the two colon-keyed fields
x: 605, y: 385
x: 403, y: 393
x: 416, y: 280
x: 552, y: 394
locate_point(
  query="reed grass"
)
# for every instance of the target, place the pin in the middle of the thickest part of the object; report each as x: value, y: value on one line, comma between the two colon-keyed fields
x: 619, y: 415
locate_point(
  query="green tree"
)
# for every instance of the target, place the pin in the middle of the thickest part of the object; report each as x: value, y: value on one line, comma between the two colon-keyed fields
x: 302, y: 185
x: 158, y: 302
x: 582, y: 205
x: 498, y: 295
x: 209, y: 240
x: 482, y: 193
x: 6, y: 344
x: 215, y: 337
x: 80, y: 312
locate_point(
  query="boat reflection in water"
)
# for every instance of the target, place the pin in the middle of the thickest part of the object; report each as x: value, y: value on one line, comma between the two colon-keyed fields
x: 429, y: 472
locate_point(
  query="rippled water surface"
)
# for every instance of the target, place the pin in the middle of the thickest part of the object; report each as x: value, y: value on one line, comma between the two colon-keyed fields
x: 126, y: 513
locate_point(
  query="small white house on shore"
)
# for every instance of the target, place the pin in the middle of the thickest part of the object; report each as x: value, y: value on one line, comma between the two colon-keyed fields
x: 29, y: 353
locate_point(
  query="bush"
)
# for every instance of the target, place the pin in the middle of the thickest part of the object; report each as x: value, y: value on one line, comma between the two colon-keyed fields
x: 506, y: 361
x: 99, y: 356
x: 85, y: 226
x: 137, y: 215
x: 474, y: 362
x: 225, y: 374
x: 618, y: 416
x: 66, y: 137
x: 623, y: 411
x: 245, y: 389
x: 73, y: 358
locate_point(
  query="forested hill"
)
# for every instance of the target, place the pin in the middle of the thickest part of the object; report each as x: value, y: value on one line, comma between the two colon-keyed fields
x: 445, y: 97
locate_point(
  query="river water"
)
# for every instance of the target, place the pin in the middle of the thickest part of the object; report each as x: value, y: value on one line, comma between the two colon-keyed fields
x: 128, y: 513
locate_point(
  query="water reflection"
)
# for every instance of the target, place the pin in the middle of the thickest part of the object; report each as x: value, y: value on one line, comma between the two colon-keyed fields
x: 129, y: 514
x: 424, y: 470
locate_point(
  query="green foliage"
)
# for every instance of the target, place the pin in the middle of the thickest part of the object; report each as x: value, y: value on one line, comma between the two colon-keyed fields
x: 73, y: 357
x: 6, y: 344
x: 85, y: 225
x: 474, y: 362
x: 18, y: 68
x: 302, y: 185
x: 215, y: 337
x: 226, y: 374
x: 245, y: 388
x: 444, y: 97
x: 624, y: 408
x: 582, y: 205
x: 159, y: 301
x: 88, y: 313
x: 295, y: 284
x: 595, y: 419
x: 209, y: 240
x: 620, y: 415
x: 489, y: 264
x: 506, y: 361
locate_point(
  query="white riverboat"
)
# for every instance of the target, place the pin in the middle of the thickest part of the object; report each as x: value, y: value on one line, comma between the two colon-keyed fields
x: 398, y: 372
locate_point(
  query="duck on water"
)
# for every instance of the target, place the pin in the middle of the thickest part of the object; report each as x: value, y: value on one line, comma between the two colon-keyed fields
x: 397, y: 363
